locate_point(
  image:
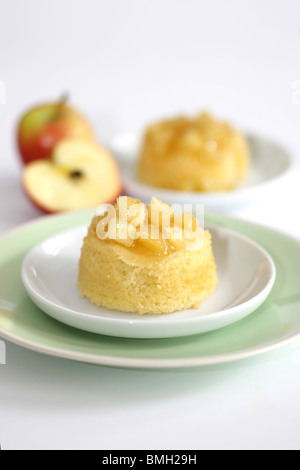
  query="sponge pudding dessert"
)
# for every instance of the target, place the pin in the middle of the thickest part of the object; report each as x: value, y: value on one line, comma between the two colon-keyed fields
x: 200, y: 154
x: 145, y: 259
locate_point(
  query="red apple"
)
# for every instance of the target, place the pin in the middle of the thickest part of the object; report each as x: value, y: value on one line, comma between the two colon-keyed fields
x: 80, y: 175
x: 42, y: 127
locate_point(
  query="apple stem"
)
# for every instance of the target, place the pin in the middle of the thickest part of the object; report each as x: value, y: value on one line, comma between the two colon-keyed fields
x: 62, y: 103
x: 64, y: 98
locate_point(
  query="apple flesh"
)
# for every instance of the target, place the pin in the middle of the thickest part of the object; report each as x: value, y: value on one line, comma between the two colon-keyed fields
x: 80, y: 175
x: 43, y: 127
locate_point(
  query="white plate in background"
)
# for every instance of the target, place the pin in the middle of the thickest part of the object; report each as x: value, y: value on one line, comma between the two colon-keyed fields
x: 270, y: 162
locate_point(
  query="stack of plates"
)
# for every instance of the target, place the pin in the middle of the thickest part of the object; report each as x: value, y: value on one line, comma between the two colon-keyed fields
x: 251, y: 312
x: 254, y: 309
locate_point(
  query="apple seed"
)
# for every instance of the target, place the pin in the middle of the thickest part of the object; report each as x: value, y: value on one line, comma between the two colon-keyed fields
x: 76, y: 175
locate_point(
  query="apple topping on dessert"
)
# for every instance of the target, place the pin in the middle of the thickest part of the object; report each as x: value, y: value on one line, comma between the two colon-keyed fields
x: 151, y: 229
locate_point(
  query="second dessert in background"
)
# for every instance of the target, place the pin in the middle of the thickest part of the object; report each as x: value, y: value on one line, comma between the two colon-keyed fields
x: 201, y: 154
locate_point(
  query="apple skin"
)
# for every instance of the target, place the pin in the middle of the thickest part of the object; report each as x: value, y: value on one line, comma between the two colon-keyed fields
x: 42, y: 127
x: 45, y: 211
x: 48, y: 186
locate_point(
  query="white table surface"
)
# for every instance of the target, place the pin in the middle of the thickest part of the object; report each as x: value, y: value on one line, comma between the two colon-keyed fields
x: 126, y: 63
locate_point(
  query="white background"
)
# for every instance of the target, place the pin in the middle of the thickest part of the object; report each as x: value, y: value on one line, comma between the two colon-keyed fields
x: 126, y: 62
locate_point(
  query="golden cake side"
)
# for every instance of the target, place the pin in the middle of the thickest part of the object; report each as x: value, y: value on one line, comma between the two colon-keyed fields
x: 114, y: 276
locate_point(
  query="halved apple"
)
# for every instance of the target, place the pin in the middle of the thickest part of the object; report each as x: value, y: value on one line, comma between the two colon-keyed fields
x: 81, y: 174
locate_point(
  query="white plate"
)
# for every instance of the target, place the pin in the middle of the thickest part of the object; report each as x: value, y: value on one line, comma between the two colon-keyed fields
x: 246, y: 275
x: 270, y: 162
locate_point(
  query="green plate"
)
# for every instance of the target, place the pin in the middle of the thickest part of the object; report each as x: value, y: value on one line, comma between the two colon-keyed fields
x: 274, y: 324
